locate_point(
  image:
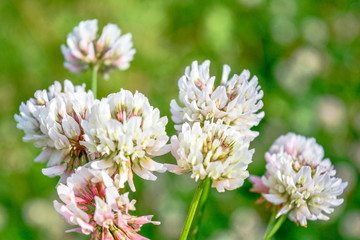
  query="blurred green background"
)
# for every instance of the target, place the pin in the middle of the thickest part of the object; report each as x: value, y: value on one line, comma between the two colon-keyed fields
x: 305, y: 53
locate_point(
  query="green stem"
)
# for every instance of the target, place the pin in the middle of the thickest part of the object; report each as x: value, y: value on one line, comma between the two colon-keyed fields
x: 271, y: 222
x: 201, y: 208
x: 192, y: 210
x: 275, y: 226
x: 94, y: 80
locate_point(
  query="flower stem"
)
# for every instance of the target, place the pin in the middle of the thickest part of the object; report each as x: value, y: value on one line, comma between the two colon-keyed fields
x: 274, y: 226
x: 271, y: 222
x: 200, y: 211
x: 94, y: 80
x: 192, y: 210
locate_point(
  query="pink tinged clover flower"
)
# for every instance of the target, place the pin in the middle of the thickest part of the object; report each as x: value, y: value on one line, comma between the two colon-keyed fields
x: 86, y: 48
x: 80, y: 50
x: 215, y: 151
x: 298, y: 180
x: 236, y: 101
x: 128, y: 132
x: 53, y: 122
x: 91, y: 201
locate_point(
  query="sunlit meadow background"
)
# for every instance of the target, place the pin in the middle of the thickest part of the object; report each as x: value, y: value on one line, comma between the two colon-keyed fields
x: 305, y: 53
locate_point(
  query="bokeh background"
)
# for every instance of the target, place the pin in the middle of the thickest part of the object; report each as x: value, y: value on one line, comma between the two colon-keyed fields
x: 305, y: 53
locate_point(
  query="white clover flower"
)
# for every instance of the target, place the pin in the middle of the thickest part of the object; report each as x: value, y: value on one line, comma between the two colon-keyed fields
x: 91, y: 201
x: 61, y: 119
x: 107, y: 52
x: 215, y: 151
x: 28, y: 119
x: 305, y: 150
x: 235, y: 101
x: 80, y: 49
x: 298, y: 180
x: 114, y: 51
x: 53, y: 122
x: 128, y: 132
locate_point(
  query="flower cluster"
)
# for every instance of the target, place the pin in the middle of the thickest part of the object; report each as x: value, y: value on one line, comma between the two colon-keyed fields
x: 95, y: 146
x: 128, y: 132
x: 214, y: 125
x: 106, y: 52
x: 91, y: 201
x: 124, y: 130
x: 235, y: 101
x: 298, y: 180
x: 52, y: 120
x: 215, y: 151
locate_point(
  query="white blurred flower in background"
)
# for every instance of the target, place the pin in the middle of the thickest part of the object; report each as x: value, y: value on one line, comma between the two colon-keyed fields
x: 298, y: 180
x: 252, y: 3
x: 314, y: 30
x: 282, y: 21
x: 286, y: 8
x: 349, y: 226
x: 346, y: 26
x: 283, y: 30
x: 39, y: 212
x: 107, y: 52
x: 4, y: 217
x: 296, y: 73
x: 128, y: 132
x: 236, y: 101
x: 331, y: 113
x: 347, y: 172
x: 245, y: 224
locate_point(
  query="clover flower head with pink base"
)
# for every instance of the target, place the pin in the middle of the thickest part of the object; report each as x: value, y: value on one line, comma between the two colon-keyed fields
x: 92, y: 202
x: 298, y: 180
x: 107, y: 52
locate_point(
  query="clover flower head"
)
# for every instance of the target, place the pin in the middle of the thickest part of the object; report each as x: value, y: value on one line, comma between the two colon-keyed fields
x: 128, y: 132
x: 53, y: 121
x: 236, y: 101
x: 107, y: 52
x: 80, y: 49
x: 61, y: 119
x: 304, y: 150
x: 215, y: 151
x: 91, y: 201
x: 28, y: 118
x: 298, y: 180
